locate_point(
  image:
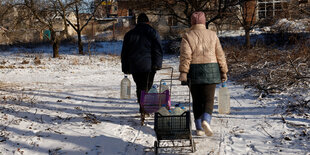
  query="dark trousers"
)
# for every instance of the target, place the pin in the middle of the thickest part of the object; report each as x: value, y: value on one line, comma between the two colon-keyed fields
x: 144, y: 81
x: 203, y: 99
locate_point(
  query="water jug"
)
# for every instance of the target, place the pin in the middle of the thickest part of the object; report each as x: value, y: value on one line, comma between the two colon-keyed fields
x: 184, y: 109
x: 224, y: 99
x: 164, y: 87
x: 177, y: 111
x: 153, y: 89
x: 125, y: 88
x: 164, y: 111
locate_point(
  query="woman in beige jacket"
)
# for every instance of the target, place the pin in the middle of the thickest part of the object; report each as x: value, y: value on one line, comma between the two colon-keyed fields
x: 202, y: 65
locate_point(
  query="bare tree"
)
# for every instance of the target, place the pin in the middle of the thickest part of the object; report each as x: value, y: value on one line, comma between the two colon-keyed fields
x: 79, y: 7
x: 182, y: 9
x: 62, y: 7
x: 13, y: 15
x: 46, y: 13
x: 246, y: 16
x: 5, y: 8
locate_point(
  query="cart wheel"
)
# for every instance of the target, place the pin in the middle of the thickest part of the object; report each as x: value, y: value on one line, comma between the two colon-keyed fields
x: 156, y: 147
x: 142, y: 119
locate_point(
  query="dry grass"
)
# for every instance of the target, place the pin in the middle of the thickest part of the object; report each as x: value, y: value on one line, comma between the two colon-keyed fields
x: 74, y: 61
x: 102, y: 59
x: 8, y: 67
x: 4, y: 85
x: 3, y: 62
x: 18, y: 97
x: 25, y: 62
x: 270, y: 70
x: 37, y: 60
x: 263, y: 61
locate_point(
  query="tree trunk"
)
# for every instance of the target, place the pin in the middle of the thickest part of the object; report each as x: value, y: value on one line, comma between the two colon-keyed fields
x: 80, y: 44
x: 78, y: 30
x: 55, y: 43
x: 247, y: 38
x: 66, y: 27
x: 56, y: 49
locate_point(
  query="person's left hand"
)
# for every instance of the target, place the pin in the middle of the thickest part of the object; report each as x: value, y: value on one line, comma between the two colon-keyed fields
x: 223, y: 77
x: 183, y: 77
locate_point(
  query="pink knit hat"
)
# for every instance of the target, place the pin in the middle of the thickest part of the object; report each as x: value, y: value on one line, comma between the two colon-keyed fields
x: 198, y: 18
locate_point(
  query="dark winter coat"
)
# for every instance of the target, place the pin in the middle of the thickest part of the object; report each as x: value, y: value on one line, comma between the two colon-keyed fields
x: 142, y: 50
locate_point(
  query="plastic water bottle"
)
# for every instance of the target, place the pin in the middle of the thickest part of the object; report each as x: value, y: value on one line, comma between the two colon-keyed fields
x: 224, y: 99
x: 177, y: 111
x: 178, y: 122
x: 184, y: 109
x: 153, y: 89
x: 165, y: 122
x: 164, y: 111
x: 164, y: 87
x: 125, y: 88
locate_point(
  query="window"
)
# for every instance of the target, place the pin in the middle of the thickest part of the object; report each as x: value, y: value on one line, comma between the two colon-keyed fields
x: 278, y: 6
x: 269, y: 8
x: 261, y: 14
x: 262, y: 10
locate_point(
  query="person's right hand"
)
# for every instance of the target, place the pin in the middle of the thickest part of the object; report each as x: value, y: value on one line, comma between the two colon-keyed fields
x: 183, y: 77
x: 223, y: 77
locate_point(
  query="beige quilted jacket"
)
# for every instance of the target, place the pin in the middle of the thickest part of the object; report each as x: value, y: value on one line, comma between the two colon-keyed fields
x: 201, y: 46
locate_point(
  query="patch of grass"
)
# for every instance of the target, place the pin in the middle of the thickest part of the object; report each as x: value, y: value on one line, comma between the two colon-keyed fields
x: 25, y: 62
x: 270, y: 70
x: 102, y: 59
x: 74, y: 61
x: 3, y: 62
x: 37, y: 60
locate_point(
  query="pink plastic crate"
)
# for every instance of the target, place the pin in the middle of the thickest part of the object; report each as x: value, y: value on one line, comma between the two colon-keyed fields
x: 152, y: 102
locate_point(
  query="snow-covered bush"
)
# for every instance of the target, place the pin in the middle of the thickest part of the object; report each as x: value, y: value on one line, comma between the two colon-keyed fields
x: 285, y: 25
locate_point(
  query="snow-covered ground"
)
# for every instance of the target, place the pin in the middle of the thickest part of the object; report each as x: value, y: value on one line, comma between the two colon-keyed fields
x: 71, y: 105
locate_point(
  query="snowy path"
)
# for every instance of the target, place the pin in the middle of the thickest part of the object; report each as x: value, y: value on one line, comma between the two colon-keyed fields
x: 72, y: 106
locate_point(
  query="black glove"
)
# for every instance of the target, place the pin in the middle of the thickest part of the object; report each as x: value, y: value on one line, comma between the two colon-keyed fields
x: 155, y: 68
x: 126, y: 72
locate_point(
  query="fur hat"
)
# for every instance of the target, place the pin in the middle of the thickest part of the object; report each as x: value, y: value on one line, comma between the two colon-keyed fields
x: 198, y: 18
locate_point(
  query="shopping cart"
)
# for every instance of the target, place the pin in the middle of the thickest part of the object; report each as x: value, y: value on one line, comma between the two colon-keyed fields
x: 173, y: 128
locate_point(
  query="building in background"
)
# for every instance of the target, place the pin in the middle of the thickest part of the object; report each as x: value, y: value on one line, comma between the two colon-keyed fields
x: 282, y: 8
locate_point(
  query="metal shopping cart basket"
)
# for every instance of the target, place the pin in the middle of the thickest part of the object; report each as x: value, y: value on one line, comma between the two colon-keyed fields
x: 173, y: 128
